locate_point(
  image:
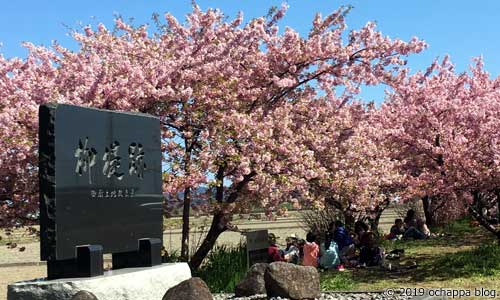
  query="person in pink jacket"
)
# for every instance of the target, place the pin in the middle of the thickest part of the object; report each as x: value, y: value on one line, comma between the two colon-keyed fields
x: 311, y: 251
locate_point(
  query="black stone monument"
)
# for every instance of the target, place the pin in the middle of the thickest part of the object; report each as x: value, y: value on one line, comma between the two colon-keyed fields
x: 100, y: 189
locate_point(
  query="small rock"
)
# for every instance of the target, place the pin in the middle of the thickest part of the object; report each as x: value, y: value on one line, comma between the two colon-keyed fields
x: 291, y: 281
x: 192, y: 289
x: 253, y: 283
x: 84, y: 295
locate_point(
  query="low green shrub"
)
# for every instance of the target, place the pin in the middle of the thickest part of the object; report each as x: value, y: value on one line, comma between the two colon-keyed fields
x: 170, y: 257
x: 225, y: 266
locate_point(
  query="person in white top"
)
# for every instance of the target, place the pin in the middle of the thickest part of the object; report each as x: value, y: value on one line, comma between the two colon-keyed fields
x: 291, y: 252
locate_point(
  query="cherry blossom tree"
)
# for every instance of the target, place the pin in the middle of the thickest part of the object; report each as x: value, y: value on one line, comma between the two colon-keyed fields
x: 225, y: 92
x: 443, y: 128
x: 354, y: 174
x: 474, y: 150
x: 415, y: 115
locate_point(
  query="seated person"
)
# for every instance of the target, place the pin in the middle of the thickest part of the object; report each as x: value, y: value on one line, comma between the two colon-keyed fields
x: 291, y: 252
x: 329, y: 251
x: 273, y: 251
x: 330, y: 231
x: 410, y: 219
x: 414, y: 233
x: 397, y: 230
x: 412, y: 228
x: 422, y: 227
x: 311, y: 251
x: 371, y: 254
x: 360, y: 228
x: 300, y: 244
x: 347, y: 249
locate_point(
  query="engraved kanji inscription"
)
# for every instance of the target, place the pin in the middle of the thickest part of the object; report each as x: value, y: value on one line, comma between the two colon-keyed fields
x: 136, y: 163
x: 86, y: 158
x: 112, y: 161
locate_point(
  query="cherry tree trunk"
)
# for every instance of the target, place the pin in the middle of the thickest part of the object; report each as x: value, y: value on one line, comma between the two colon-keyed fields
x: 185, y: 224
x: 378, y: 213
x: 186, y: 208
x: 428, y: 210
x: 374, y: 224
x: 487, y: 225
x: 218, y: 226
x: 498, y: 216
x: 498, y: 209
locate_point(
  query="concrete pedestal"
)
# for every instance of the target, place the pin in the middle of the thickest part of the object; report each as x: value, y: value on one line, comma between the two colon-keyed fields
x: 123, y: 284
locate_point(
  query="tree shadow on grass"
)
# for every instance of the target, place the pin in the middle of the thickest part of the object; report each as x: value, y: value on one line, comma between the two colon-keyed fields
x: 434, y: 264
x: 481, y: 261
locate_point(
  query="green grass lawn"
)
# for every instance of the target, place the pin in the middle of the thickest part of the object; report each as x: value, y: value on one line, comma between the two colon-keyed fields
x: 466, y: 257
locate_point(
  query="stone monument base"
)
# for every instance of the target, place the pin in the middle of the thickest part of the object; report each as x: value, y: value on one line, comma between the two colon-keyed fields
x: 123, y: 284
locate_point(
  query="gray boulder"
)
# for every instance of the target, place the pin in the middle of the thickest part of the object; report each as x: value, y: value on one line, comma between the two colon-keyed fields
x: 291, y: 281
x: 84, y: 295
x: 253, y: 283
x: 192, y: 289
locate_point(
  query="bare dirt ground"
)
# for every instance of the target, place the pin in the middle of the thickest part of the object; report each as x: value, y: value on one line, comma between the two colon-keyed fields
x: 282, y: 228
x: 13, y: 274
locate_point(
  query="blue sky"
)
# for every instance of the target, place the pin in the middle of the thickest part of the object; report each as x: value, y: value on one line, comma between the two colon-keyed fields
x: 462, y: 29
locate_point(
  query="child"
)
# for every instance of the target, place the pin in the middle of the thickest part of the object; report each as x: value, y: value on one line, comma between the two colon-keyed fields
x: 329, y: 251
x: 347, y: 249
x: 360, y: 228
x: 397, y: 230
x: 273, y: 251
x: 291, y: 253
x: 311, y: 251
x: 371, y: 254
x: 300, y: 244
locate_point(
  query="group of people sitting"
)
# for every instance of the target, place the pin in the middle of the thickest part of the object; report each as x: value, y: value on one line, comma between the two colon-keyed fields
x: 411, y: 227
x: 339, y: 247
